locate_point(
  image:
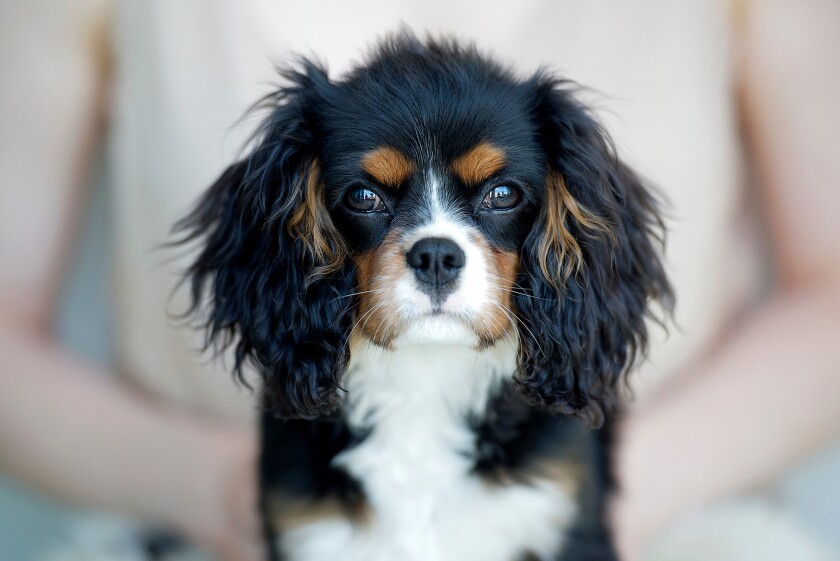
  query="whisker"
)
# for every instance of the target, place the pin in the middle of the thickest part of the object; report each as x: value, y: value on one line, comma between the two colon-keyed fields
x: 374, y: 290
x: 509, y: 317
x: 505, y: 331
x: 358, y: 321
x: 521, y: 288
x: 528, y: 329
x: 370, y: 315
x: 382, y: 322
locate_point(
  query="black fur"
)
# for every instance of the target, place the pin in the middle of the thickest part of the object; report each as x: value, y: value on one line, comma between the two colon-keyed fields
x: 513, y: 438
x: 295, y: 463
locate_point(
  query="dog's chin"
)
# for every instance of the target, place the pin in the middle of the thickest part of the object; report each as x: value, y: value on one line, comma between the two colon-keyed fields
x: 437, y: 329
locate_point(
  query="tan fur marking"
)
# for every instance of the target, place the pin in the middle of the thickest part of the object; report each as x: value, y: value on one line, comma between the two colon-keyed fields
x: 503, y: 267
x: 567, y: 474
x: 376, y: 271
x: 388, y: 166
x: 507, y: 268
x: 311, y: 223
x: 286, y: 513
x: 480, y: 163
x: 559, y: 206
x: 364, y: 268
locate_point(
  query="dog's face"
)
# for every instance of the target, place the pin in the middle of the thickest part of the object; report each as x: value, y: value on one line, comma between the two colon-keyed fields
x: 429, y: 198
x: 434, y: 188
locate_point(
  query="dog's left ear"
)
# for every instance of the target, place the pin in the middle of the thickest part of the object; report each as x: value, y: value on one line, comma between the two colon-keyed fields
x: 590, y: 267
x: 272, y: 275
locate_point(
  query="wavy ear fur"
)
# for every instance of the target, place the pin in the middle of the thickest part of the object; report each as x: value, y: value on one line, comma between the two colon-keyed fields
x: 591, y: 263
x: 272, y: 266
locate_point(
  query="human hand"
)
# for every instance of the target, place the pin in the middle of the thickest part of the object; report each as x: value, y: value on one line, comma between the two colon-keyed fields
x: 220, y: 514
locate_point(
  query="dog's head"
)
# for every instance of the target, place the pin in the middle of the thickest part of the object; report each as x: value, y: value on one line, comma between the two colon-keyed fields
x: 429, y: 197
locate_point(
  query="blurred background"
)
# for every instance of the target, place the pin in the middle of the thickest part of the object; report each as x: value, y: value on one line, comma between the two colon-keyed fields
x: 120, y: 440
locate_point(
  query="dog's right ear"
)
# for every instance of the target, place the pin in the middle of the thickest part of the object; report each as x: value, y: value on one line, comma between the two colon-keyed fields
x: 272, y: 273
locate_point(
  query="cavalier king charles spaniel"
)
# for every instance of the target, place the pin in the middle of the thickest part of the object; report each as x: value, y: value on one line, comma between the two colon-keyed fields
x: 441, y: 272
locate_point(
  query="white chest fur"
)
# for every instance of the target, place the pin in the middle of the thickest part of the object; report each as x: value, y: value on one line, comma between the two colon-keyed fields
x: 414, y: 466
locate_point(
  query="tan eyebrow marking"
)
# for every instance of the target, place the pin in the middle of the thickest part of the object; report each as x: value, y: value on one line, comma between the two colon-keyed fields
x: 388, y: 165
x: 481, y: 162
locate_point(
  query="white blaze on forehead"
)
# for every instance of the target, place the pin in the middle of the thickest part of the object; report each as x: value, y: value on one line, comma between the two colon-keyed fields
x: 435, y: 203
x: 438, y: 205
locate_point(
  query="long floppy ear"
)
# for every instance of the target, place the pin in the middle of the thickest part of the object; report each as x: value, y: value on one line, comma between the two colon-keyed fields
x: 590, y: 266
x: 272, y: 268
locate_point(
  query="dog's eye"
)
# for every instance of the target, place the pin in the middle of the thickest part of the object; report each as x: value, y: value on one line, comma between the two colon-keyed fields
x: 501, y: 198
x: 364, y: 200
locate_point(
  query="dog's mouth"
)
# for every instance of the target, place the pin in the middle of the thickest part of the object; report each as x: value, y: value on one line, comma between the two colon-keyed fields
x: 441, y: 311
x: 438, y: 326
x: 447, y: 323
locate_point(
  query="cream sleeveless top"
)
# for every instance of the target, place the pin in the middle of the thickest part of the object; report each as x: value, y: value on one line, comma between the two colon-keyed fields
x: 186, y: 71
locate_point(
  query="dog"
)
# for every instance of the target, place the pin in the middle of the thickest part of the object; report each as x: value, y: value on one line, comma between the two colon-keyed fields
x: 442, y: 273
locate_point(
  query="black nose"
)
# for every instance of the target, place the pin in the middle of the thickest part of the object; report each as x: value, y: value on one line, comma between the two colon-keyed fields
x: 436, y: 261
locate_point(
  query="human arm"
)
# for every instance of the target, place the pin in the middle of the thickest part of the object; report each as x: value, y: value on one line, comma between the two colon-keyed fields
x: 767, y: 395
x: 67, y: 427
